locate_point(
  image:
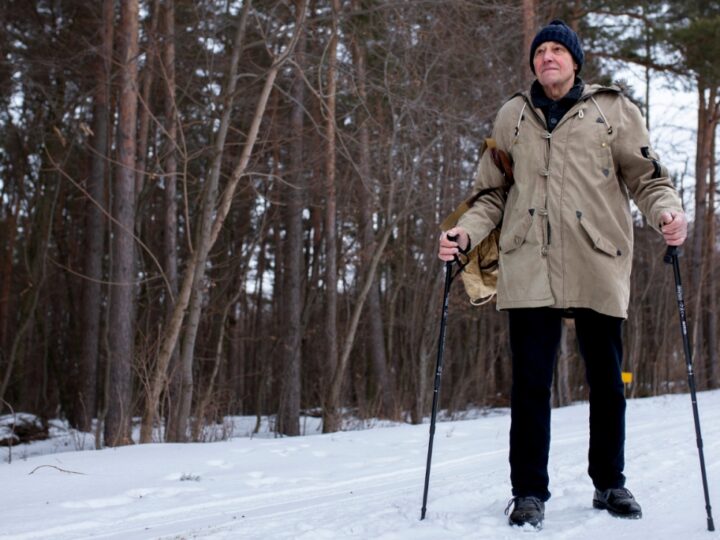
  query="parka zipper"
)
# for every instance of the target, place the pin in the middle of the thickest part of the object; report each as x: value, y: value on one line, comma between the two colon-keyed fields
x: 543, y: 212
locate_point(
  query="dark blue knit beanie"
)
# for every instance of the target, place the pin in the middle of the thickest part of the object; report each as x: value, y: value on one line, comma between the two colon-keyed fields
x: 560, y: 32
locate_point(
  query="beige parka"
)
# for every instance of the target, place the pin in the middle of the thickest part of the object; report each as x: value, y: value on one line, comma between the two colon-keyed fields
x: 567, y: 232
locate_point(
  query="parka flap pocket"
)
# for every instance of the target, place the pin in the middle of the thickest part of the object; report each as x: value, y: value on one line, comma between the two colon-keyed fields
x: 599, y: 242
x: 516, y: 233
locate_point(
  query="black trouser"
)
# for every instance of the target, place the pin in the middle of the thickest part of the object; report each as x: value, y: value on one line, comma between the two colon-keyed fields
x: 534, y: 340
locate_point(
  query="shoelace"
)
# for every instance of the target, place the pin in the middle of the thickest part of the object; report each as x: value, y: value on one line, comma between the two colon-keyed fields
x: 509, y: 504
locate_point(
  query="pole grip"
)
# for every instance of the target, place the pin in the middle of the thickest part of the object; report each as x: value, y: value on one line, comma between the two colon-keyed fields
x: 671, y: 253
x: 453, y: 238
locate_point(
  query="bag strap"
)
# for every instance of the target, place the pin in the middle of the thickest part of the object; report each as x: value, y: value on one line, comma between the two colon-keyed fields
x: 502, y: 161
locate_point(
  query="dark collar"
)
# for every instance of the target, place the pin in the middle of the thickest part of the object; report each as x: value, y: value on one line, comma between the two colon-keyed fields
x: 540, y: 100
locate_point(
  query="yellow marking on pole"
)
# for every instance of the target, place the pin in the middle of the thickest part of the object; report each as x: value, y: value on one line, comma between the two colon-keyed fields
x: 627, y: 377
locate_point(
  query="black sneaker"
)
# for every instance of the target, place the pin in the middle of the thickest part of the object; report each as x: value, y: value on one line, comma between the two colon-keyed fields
x: 530, y: 510
x: 619, y: 502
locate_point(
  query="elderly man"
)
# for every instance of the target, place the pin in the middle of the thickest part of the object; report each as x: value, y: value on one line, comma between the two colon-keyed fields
x: 579, y: 153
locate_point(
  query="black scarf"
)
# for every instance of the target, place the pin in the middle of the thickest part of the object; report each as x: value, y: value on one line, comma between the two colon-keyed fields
x: 555, y: 110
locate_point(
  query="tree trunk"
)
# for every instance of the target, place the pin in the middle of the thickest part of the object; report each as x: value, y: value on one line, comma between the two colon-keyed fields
x: 648, y: 54
x: 561, y: 393
x: 204, y: 242
x: 698, y: 259
x: 341, y: 369
x: 36, y: 255
x: 288, y: 418
x: 117, y: 421
x: 170, y: 225
x: 529, y: 8
x: 95, y: 225
x: 9, y: 239
x: 257, y: 351
x: 711, y: 331
x: 237, y: 359
x: 384, y: 383
x: 147, y: 78
x: 331, y: 412
x: 209, y: 390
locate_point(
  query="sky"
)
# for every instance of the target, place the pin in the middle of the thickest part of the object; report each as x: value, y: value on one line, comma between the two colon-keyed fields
x: 361, y: 484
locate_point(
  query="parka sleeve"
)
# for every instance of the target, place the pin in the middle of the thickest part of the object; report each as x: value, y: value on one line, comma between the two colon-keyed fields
x: 646, y: 178
x: 487, y: 212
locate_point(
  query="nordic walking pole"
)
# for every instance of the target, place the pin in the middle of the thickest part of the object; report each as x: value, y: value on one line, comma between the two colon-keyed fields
x: 671, y: 257
x: 438, y: 374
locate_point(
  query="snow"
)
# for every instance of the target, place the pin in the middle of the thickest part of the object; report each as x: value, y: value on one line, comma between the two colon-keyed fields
x: 364, y: 483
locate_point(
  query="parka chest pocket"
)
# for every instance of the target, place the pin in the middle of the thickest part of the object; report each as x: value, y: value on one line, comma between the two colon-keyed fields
x: 515, y: 234
x: 603, y: 137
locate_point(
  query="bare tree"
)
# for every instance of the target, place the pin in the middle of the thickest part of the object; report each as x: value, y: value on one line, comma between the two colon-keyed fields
x: 146, y: 85
x: 212, y: 219
x: 331, y: 418
x: 529, y: 10
x: 95, y: 222
x: 708, y: 118
x: 288, y: 418
x: 170, y: 192
x: 704, y: 241
x: 317, y: 210
x: 182, y: 402
x: 713, y: 364
x: 366, y: 189
x: 122, y: 289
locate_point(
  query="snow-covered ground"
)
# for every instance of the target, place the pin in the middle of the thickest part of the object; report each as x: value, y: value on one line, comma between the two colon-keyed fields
x: 364, y: 484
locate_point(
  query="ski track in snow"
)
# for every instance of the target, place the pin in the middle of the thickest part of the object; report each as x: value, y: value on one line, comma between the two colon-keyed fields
x: 366, y: 484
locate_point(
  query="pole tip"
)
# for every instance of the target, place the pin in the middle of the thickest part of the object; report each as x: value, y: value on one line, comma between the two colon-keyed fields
x: 711, y: 525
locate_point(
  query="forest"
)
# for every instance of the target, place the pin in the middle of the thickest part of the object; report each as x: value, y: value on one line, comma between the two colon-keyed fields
x: 230, y: 207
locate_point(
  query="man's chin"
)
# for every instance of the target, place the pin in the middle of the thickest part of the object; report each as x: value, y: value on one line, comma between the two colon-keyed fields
x: 550, y: 74
x: 549, y: 81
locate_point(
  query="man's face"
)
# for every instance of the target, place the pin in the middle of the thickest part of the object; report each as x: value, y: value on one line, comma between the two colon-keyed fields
x: 554, y: 65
